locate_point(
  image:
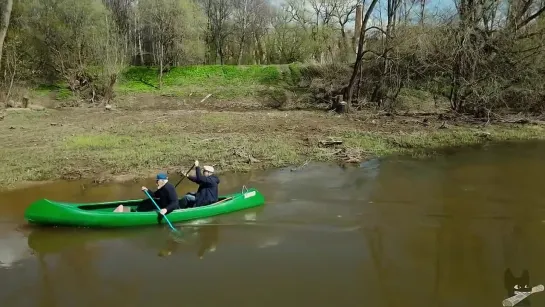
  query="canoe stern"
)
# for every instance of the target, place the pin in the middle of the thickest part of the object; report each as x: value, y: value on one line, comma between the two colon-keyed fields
x: 44, y: 211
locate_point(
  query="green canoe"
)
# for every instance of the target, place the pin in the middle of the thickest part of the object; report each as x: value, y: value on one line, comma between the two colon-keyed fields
x: 101, y: 215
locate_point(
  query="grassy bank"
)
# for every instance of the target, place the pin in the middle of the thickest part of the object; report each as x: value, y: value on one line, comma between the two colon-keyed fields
x: 74, y: 143
x: 189, y: 85
x: 223, y: 82
x: 215, y: 87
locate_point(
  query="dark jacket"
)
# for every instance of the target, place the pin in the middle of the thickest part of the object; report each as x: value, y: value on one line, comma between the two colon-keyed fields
x: 208, y: 188
x: 168, y: 198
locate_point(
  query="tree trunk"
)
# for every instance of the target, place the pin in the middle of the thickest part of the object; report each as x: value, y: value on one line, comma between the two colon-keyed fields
x: 344, y: 45
x: 379, y: 93
x: 153, y: 46
x: 243, y: 34
x: 110, y: 88
x: 140, y: 51
x: 422, y: 11
x: 220, y: 53
x: 4, y: 24
x: 357, y: 29
x: 260, y: 50
x: 138, y: 34
x: 161, y: 66
x: 349, y: 90
x: 241, y: 50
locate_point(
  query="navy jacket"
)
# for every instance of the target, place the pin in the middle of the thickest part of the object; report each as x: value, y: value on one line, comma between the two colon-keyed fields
x: 168, y: 198
x: 208, y: 188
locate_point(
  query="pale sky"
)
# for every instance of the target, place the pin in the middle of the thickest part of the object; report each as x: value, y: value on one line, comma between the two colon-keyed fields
x: 432, y: 7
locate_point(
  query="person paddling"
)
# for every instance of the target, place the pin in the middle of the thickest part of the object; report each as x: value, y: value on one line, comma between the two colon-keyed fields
x: 207, y: 193
x: 165, y: 193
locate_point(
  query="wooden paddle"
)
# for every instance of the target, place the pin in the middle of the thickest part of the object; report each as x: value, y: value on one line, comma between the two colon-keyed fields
x: 165, y: 216
x: 185, y: 175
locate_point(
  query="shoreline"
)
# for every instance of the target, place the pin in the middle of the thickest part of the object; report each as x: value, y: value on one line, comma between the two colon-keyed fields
x: 126, y: 145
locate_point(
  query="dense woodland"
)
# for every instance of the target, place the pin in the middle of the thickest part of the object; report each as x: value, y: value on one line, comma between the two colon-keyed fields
x: 483, y: 56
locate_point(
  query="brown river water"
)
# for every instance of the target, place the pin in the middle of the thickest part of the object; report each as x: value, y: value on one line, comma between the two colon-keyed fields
x: 389, y: 232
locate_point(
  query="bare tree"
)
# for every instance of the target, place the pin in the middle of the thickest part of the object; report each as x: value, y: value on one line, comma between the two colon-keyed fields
x: 387, y: 74
x: 344, y: 12
x: 126, y: 23
x: 259, y: 25
x: 219, y: 12
x: 486, y: 54
x: 173, y: 31
x: 248, y: 15
x: 349, y: 90
x: 297, y: 11
x: 422, y: 11
x: 4, y: 24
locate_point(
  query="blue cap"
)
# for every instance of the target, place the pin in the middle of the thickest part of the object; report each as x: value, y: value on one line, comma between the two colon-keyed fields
x: 161, y: 176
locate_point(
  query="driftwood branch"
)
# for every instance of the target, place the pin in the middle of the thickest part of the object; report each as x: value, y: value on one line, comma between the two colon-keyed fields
x: 300, y: 167
x: 330, y: 142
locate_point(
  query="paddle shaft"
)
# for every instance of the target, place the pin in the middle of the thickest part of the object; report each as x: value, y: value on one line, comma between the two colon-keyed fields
x: 185, y: 175
x: 153, y: 201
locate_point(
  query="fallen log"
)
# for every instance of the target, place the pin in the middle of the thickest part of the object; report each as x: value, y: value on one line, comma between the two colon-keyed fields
x: 330, y: 142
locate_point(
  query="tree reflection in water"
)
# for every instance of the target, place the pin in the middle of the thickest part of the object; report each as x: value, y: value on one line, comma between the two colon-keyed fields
x: 205, y: 236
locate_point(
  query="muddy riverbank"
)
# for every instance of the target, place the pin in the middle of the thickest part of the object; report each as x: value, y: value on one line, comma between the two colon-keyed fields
x: 127, y: 144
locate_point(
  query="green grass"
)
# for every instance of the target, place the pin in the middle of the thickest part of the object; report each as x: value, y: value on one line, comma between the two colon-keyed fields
x: 223, y: 82
x: 125, y: 154
x: 425, y: 142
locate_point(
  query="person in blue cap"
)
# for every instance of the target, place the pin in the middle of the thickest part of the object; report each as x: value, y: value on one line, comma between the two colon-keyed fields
x: 165, y: 197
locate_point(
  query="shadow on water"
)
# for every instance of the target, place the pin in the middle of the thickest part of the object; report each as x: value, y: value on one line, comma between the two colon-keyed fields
x: 55, y: 240
x: 389, y: 232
